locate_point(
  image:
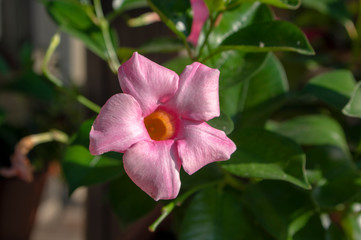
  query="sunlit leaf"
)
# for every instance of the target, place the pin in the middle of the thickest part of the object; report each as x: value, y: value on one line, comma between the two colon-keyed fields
x: 334, y: 87
x: 257, y: 38
x: 353, y: 107
x: 313, y: 130
x: 223, y: 122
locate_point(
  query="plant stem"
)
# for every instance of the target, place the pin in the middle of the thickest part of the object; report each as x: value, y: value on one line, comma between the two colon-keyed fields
x: 55, y: 40
x: 103, y: 23
x: 167, y: 209
x: 54, y: 43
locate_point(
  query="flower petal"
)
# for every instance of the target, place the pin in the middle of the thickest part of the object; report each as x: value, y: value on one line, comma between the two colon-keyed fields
x: 118, y: 126
x: 197, y: 96
x: 201, y: 144
x: 200, y: 15
x: 149, y: 83
x: 154, y: 166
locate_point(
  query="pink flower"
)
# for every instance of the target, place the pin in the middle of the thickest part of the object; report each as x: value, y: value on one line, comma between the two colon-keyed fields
x: 200, y: 16
x: 159, y: 124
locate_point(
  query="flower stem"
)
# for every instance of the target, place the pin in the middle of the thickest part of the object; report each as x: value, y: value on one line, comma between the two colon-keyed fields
x: 103, y: 23
x: 54, y: 43
x: 167, y: 209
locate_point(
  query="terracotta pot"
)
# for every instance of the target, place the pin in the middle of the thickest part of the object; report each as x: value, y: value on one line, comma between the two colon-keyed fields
x: 18, y: 203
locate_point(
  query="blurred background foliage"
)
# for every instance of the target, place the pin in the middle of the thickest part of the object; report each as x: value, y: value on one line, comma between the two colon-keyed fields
x: 290, y: 98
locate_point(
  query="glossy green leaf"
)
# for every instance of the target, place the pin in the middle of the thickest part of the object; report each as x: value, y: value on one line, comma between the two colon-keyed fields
x: 215, y: 5
x: 175, y: 14
x: 238, y: 18
x: 124, y: 5
x: 290, y: 4
x: 268, y: 83
x: 333, y: 8
x: 263, y: 93
x: 280, y: 157
x: 258, y: 38
x: 83, y: 169
x: 236, y: 66
x: 74, y: 19
x: 353, y: 107
x: 283, y: 210
x: 313, y: 130
x: 259, y: 94
x: 81, y: 137
x: 214, y: 214
x: 128, y: 201
x: 159, y: 45
x: 223, y: 122
x: 339, y: 175
x: 334, y: 87
x: 178, y: 64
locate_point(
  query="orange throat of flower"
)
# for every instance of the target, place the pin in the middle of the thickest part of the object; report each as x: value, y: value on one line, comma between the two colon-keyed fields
x: 160, y: 125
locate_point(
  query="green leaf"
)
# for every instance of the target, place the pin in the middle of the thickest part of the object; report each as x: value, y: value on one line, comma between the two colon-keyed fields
x: 313, y: 130
x: 236, y: 66
x: 216, y: 214
x: 215, y: 5
x: 74, y: 19
x: 83, y: 169
x: 159, y: 45
x: 268, y: 83
x: 284, y: 211
x: 289, y: 4
x: 81, y: 137
x: 178, y: 64
x: 238, y: 18
x: 175, y: 14
x: 353, y: 107
x: 129, y: 202
x: 259, y: 94
x: 280, y: 157
x: 258, y: 38
x: 339, y: 175
x: 334, y: 87
x: 333, y: 8
x: 223, y: 122
x: 125, y: 5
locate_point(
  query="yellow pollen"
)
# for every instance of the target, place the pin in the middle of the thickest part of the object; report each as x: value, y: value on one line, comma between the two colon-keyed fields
x: 160, y: 125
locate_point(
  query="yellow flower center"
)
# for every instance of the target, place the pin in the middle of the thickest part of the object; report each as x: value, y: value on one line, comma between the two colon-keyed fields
x: 160, y: 125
